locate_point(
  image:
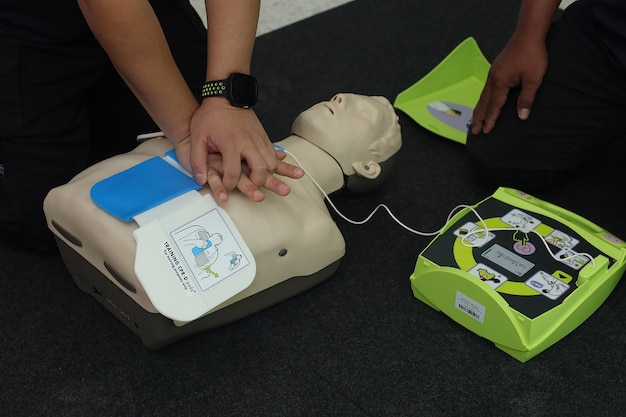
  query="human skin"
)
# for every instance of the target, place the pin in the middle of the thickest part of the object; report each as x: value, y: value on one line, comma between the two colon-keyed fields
x: 522, y: 63
x: 131, y: 35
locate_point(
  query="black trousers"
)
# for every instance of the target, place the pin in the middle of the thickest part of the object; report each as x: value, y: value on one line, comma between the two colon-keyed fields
x: 579, y: 110
x: 64, y: 107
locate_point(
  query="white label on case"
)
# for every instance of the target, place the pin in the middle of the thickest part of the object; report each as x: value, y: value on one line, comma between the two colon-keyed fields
x: 470, y: 307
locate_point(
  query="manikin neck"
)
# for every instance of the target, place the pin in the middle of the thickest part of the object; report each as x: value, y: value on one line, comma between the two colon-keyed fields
x: 317, y: 162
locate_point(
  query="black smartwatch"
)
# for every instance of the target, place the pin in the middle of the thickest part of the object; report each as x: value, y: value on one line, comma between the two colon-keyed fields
x: 241, y: 90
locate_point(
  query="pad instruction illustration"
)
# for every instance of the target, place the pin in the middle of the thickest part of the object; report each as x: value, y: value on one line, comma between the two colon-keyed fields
x: 209, y: 249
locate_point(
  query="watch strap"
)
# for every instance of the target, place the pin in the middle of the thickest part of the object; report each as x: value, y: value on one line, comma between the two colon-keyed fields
x: 214, y: 88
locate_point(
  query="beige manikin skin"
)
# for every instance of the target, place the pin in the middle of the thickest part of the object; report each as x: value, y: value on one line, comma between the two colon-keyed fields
x: 347, y: 135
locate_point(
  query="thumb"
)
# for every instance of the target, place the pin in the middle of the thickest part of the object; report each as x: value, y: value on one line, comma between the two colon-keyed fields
x: 199, y: 160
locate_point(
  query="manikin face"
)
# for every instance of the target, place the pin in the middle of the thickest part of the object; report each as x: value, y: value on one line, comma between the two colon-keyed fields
x: 349, y: 127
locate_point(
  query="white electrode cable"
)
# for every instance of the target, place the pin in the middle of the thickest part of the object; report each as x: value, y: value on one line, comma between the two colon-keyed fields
x: 484, y: 230
x: 485, y: 236
x: 380, y: 206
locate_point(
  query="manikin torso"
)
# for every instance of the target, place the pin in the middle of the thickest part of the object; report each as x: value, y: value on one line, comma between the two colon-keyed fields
x: 288, y: 236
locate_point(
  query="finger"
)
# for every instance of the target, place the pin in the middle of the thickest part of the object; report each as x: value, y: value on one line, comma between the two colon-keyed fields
x: 480, y: 110
x: 288, y: 170
x: 232, y: 169
x: 198, y: 160
x: 526, y: 98
x: 280, y: 154
x: 498, y: 98
x: 270, y: 156
x: 258, y: 168
x: 252, y: 191
x: 249, y: 189
x: 217, y: 187
x: 269, y: 153
x: 277, y: 186
x: 215, y: 162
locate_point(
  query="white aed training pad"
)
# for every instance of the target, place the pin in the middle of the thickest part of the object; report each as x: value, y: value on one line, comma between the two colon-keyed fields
x: 190, y: 256
x: 191, y: 259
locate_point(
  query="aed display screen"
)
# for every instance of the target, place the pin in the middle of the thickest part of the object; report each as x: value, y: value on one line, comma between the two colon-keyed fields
x: 508, y: 260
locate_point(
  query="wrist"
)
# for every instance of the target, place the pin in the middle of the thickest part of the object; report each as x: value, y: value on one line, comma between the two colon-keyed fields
x: 178, y: 139
x: 527, y: 35
x: 241, y: 90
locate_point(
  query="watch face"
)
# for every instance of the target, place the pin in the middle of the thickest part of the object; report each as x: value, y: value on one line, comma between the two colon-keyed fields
x: 243, y: 90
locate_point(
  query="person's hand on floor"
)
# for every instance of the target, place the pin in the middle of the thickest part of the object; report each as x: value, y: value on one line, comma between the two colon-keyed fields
x: 522, y: 63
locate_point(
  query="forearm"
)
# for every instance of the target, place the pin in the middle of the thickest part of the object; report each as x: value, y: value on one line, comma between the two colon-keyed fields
x: 231, y: 33
x: 130, y: 33
x: 534, y: 19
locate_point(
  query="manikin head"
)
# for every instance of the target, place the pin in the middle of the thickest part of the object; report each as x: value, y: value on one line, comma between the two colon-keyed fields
x: 360, y: 132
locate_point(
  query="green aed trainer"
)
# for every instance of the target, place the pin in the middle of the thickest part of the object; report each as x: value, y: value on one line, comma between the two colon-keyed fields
x: 519, y: 271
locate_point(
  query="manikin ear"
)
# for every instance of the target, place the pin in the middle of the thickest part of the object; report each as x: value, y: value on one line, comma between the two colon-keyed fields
x: 371, y: 170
